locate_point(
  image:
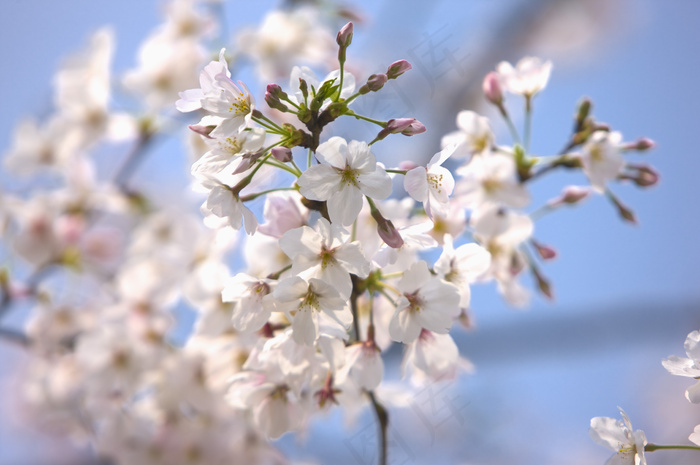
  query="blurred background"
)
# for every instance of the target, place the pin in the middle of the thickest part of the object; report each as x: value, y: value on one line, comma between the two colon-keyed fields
x: 626, y: 296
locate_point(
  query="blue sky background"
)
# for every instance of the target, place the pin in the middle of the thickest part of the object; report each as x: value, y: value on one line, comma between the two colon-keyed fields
x: 626, y: 297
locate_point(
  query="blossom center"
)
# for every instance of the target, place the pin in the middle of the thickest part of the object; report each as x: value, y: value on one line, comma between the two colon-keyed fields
x: 240, y: 105
x: 349, y: 176
x: 435, y: 182
x: 491, y: 185
x: 415, y: 302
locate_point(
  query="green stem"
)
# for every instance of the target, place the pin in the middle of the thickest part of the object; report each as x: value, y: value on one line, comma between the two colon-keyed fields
x: 352, y: 97
x: 653, y: 447
x: 283, y: 167
x: 511, y: 127
x: 308, y: 162
x: 277, y: 274
x: 397, y: 171
x: 272, y: 123
x: 295, y: 167
x: 375, y: 121
x: 383, y: 420
x: 528, y: 122
x: 340, y: 85
x: 258, y: 194
x: 397, y: 274
x: 540, y: 212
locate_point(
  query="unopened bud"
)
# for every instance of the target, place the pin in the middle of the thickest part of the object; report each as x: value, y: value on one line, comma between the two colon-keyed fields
x: 543, y: 284
x: 405, y: 126
x: 273, y: 100
x: 283, y: 154
x: 584, y: 109
x: 277, y: 91
x: 645, y: 176
x: 247, y: 162
x: 546, y: 252
x: 492, y: 88
x: 376, y: 82
x: 623, y: 210
x: 407, y: 165
x: 202, y: 130
x: 641, y: 145
x: 386, y: 230
x: 303, y: 88
x: 344, y: 37
x: 571, y: 195
x: 397, y: 68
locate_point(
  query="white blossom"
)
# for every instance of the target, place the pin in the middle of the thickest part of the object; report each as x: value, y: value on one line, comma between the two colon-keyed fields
x: 426, y: 302
x: 474, y: 136
x: 620, y: 437
x: 689, y: 367
x: 433, y: 184
x: 602, y: 158
x: 528, y: 77
x: 347, y: 172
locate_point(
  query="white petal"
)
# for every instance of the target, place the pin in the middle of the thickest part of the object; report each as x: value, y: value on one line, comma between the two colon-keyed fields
x: 319, y: 182
x: 693, y: 393
x: 333, y: 152
x: 305, y: 326
x: 403, y: 326
x: 416, y: 183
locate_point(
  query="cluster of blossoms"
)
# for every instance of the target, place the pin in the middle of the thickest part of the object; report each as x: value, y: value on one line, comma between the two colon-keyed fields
x: 338, y: 270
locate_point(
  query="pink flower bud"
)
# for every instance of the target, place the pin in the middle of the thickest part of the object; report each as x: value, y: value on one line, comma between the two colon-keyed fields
x: 570, y: 195
x: 407, y: 165
x: 273, y: 94
x: 389, y: 234
x: 344, y: 37
x: 644, y: 175
x: 376, y: 82
x: 283, y: 154
x: 397, y: 68
x: 641, y: 145
x: 202, y: 130
x: 405, y: 126
x: 386, y: 229
x: 492, y: 88
x: 647, y: 176
x: 546, y: 252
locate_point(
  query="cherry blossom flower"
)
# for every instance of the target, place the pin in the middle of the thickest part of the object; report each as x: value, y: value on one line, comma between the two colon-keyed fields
x: 602, y: 158
x: 621, y: 438
x: 364, y: 365
x: 303, y: 301
x: 432, y: 185
x: 689, y: 367
x: 346, y: 173
x: 462, y: 266
x: 227, y: 148
x: 433, y: 357
x: 324, y: 253
x: 474, y: 136
x: 426, y: 302
x: 252, y: 299
x: 490, y: 180
x: 528, y: 77
x: 501, y: 231
x: 223, y: 203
